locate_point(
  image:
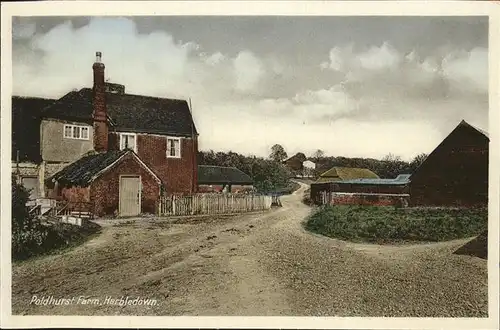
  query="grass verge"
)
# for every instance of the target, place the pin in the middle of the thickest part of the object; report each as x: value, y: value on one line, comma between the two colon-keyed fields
x: 57, y: 238
x: 385, y: 225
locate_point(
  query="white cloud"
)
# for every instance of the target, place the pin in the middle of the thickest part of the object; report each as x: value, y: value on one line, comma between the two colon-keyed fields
x: 215, y: 58
x: 23, y: 30
x: 248, y: 71
x: 467, y: 69
x: 378, y: 58
x: 336, y: 60
x: 373, y: 111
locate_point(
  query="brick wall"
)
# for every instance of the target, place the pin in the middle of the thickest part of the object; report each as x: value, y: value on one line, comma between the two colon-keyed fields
x: 179, y: 175
x: 105, y: 190
x: 74, y: 194
x: 365, y: 199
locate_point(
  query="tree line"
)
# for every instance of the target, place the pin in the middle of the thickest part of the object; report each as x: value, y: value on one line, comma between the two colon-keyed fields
x: 268, y: 175
x: 271, y: 174
x: 388, y: 167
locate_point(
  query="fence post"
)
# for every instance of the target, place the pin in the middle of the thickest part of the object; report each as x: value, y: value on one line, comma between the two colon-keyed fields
x: 173, y: 204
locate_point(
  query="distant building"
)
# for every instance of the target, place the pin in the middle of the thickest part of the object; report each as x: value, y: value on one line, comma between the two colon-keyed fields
x: 456, y: 172
x: 308, y: 169
x: 294, y: 163
x: 223, y: 179
x: 365, y: 191
x: 337, y: 173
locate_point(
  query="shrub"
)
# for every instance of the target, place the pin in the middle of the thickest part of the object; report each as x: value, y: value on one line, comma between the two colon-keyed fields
x: 30, y: 237
x: 28, y: 234
x: 387, y: 224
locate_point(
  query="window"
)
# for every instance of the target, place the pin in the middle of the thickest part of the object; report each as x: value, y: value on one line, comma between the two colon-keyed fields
x: 128, y: 141
x: 173, y: 147
x: 76, y: 132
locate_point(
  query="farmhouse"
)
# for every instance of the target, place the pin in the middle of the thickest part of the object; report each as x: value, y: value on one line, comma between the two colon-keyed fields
x: 91, y: 129
x: 26, y: 119
x: 220, y: 178
x: 456, y: 172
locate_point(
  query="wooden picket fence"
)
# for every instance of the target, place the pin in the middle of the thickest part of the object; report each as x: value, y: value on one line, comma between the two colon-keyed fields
x: 177, y: 205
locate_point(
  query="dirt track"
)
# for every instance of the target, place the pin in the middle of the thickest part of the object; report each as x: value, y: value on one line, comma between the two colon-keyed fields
x: 258, y: 264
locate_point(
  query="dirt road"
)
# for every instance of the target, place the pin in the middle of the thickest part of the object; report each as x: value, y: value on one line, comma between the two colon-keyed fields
x: 258, y: 264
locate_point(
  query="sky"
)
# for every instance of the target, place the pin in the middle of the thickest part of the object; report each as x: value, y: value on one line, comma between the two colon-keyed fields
x: 350, y: 86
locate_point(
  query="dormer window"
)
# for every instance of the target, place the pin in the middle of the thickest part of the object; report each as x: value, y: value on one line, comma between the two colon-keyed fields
x: 128, y: 141
x: 77, y: 132
x: 173, y: 147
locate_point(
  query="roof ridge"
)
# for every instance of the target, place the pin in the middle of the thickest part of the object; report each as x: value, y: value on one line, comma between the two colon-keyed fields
x: 140, y: 95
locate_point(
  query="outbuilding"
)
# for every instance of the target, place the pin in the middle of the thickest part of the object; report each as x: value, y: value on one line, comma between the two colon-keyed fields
x: 116, y: 182
x: 456, y: 172
x: 223, y: 179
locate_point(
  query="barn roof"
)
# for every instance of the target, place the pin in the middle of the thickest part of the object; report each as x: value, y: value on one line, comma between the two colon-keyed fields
x: 337, y: 173
x: 208, y: 174
x: 462, y: 125
x: 483, y: 132
x: 86, y: 169
x: 26, y: 118
x: 401, y: 179
x: 128, y: 112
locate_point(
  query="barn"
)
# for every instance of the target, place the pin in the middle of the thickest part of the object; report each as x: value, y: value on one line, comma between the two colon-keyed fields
x: 337, y: 174
x: 363, y: 191
x: 115, y: 182
x: 455, y: 173
x: 222, y: 178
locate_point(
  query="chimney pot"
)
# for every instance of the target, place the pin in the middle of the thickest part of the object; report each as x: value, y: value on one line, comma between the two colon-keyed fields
x: 98, y: 56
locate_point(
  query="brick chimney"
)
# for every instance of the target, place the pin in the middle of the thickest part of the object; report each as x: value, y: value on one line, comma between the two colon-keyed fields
x: 99, y: 107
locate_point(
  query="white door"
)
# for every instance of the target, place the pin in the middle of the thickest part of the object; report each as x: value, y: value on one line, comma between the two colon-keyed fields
x: 130, y: 196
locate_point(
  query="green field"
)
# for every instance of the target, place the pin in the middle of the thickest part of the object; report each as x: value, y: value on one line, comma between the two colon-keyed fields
x: 385, y: 224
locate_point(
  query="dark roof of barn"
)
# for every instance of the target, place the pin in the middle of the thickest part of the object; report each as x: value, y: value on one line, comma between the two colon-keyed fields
x: 208, y: 174
x: 462, y: 125
x: 128, y: 112
x: 83, y: 171
x: 483, y: 132
x: 26, y: 118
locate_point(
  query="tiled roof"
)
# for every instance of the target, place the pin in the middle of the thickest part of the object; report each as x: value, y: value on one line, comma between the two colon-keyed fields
x: 346, y: 173
x: 208, y: 174
x: 83, y: 171
x: 26, y: 118
x: 399, y: 180
x: 128, y: 112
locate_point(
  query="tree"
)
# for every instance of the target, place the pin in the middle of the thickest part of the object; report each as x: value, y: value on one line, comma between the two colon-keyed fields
x: 318, y: 154
x: 391, y: 158
x: 417, y: 161
x: 301, y: 157
x: 392, y: 166
x: 278, y: 153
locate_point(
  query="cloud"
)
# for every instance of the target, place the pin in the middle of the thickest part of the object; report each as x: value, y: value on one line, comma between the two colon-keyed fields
x: 248, y: 70
x: 467, y: 69
x: 378, y: 58
x: 359, y: 101
x: 23, y: 30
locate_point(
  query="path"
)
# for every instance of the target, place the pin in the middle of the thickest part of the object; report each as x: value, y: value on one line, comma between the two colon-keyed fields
x: 258, y: 264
